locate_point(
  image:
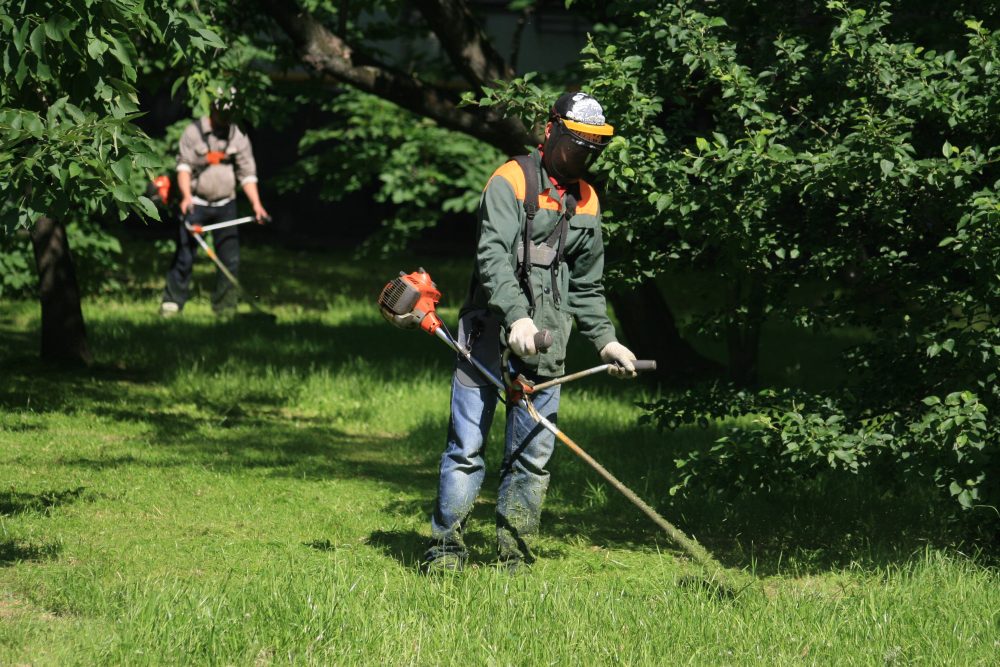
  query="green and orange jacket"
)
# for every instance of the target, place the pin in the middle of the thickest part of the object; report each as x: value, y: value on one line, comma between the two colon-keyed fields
x: 495, y: 284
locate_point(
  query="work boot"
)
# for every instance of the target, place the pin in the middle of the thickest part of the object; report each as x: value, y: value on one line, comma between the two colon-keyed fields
x: 169, y: 309
x: 443, y: 563
x: 443, y: 557
x: 514, y: 565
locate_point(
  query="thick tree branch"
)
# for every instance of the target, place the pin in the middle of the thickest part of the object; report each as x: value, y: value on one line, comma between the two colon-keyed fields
x: 327, y: 53
x: 463, y: 39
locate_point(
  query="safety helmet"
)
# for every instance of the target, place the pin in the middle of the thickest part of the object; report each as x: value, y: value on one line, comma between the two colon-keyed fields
x: 225, y: 100
x: 578, y: 134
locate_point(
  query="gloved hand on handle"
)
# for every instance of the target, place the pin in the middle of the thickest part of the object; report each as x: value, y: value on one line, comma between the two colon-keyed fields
x: 621, y: 359
x: 521, y: 338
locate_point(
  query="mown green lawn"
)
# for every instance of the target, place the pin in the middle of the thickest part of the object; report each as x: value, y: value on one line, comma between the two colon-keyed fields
x: 243, y: 492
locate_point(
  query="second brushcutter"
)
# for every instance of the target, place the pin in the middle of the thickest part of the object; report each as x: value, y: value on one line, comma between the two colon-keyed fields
x: 199, y: 229
x: 196, y: 231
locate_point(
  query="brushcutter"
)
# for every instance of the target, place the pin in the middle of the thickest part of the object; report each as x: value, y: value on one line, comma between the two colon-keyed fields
x: 409, y: 302
x: 196, y: 231
x: 199, y: 229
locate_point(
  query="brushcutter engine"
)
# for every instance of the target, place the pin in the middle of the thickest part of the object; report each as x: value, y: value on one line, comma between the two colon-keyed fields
x: 409, y: 301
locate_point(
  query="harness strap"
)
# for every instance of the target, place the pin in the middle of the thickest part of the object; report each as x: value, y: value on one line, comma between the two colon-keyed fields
x: 205, y: 135
x: 530, y: 209
x: 562, y: 231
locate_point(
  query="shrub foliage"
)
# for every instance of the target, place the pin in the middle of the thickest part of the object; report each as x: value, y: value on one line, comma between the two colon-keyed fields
x: 840, y: 148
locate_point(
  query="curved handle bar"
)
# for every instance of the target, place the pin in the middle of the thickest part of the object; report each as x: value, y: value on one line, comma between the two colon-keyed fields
x: 543, y: 340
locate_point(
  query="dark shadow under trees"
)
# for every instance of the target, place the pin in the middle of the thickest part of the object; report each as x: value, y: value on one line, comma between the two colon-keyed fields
x: 819, y: 525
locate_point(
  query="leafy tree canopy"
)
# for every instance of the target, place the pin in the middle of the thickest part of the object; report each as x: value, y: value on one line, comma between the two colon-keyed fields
x: 834, y: 148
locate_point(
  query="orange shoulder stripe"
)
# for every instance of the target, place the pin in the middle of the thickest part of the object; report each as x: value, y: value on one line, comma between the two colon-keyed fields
x: 512, y: 173
x: 588, y: 203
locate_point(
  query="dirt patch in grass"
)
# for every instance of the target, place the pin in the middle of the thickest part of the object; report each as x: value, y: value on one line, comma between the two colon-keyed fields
x: 12, y: 608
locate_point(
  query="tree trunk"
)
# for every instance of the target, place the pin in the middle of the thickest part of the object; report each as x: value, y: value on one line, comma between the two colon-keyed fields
x: 650, y: 330
x: 743, y: 332
x: 64, y: 337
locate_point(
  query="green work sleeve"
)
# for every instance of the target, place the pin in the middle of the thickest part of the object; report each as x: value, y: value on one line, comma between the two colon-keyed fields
x: 586, y: 291
x: 499, y: 227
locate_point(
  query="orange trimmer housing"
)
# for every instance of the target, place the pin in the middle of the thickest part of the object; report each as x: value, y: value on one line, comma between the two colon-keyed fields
x: 162, y: 185
x: 410, y: 301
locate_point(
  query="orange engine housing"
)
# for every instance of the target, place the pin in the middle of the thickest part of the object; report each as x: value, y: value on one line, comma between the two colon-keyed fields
x: 162, y: 185
x: 410, y: 301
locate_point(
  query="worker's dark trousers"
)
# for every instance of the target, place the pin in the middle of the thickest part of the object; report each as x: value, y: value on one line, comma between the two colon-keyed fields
x: 227, y: 246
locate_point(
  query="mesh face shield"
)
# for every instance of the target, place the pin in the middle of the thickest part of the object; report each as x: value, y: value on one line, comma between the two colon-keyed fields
x: 569, y: 154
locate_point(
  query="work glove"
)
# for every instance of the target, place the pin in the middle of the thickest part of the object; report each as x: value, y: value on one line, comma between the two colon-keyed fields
x: 214, y: 157
x: 620, y: 358
x: 522, y: 337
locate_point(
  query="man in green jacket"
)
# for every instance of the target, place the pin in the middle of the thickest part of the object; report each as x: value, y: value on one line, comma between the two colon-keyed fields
x: 515, y: 292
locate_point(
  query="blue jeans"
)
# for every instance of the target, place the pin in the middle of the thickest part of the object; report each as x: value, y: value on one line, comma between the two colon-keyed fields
x: 523, y: 477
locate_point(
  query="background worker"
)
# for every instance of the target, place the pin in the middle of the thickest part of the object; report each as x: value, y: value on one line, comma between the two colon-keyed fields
x: 509, y: 301
x: 214, y: 156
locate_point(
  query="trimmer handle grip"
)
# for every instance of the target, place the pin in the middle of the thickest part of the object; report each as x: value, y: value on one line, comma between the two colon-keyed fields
x: 644, y: 365
x: 543, y: 340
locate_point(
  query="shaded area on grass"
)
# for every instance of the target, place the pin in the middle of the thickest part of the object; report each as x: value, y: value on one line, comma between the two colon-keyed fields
x: 13, y: 503
x: 14, y: 551
x: 406, y: 546
x: 225, y: 395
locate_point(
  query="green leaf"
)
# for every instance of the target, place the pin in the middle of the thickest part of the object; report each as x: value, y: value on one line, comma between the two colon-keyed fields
x: 37, y: 40
x: 33, y: 124
x: 662, y: 202
x: 42, y: 72
x: 887, y: 166
x: 123, y: 193
x: 122, y: 168
x: 149, y: 208
x: 21, y: 36
x: 96, y: 48
x: 702, y: 144
x: 21, y: 73
x: 178, y: 82
x: 58, y: 27
x: 211, y: 38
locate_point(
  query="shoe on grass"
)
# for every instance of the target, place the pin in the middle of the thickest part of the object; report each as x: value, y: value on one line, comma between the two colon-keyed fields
x: 448, y: 555
x: 443, y: 563
x: 514, y: 566
x: 169, y: 309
